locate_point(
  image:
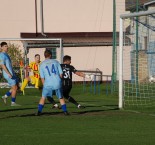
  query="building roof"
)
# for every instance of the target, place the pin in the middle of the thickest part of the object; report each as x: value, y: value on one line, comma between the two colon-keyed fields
x: 130, y: 5
x: 72, y: 39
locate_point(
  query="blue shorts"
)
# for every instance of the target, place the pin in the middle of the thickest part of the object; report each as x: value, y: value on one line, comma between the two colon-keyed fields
x: 12, y: 81
x: 49, y: 92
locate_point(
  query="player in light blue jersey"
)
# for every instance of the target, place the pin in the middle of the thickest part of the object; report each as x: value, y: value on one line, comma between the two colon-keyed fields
x: 8, y: 73
x: 51, y: 73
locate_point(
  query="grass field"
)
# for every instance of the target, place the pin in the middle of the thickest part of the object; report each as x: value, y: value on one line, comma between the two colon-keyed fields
x: 100, y: 123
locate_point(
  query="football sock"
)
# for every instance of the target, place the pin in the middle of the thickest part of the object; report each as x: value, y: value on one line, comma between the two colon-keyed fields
x: 13, y: 99
x: 70, y: 99
x: 24, y: 84
x: 64, y: 108
x: 7, y: 94
x: 40, y: 107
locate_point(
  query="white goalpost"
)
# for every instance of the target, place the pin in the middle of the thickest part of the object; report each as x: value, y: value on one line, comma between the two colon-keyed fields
x: 137, y: 59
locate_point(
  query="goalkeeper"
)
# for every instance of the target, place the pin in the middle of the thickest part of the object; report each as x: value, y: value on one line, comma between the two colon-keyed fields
x: 35, y: 78
x: 67, y: 80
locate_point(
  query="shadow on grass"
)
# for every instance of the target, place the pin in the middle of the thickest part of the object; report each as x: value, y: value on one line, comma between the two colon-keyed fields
x: 80, y: 112
x: 93, y: 112
x: 17, y: 109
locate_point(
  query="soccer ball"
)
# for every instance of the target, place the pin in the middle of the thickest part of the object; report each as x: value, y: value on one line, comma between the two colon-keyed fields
x: 89, y: 76
x: 152, y: 79
x: 92, y: 77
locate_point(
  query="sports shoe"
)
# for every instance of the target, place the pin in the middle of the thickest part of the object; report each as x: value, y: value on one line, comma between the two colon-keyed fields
x: 15, y: 104
x: 80, y: 107
x: 4, y: 99
x: 66, y: 113
x: 38, y: 113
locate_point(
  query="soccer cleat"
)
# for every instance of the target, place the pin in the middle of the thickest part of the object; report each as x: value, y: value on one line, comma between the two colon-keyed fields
x: 15, y: 104
x: 66, y: 113
x: 38, y: 113
x: 4, y: 99
x: 80, y: 107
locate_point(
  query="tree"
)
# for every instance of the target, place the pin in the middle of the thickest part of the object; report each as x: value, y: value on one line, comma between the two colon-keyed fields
x: 15, y: 54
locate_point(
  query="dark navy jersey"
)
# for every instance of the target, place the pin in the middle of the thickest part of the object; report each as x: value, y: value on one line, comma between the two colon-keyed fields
x: 67, y: 74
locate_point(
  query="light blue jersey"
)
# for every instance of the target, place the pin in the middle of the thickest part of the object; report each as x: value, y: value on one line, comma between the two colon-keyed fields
x: 5, y: 60
x: 50, y: 70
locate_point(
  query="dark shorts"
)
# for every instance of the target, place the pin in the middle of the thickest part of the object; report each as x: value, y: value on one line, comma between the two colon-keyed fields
x: 66, y: 91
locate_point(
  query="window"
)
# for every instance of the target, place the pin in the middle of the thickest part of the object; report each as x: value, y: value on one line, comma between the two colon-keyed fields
x: 54, y: 53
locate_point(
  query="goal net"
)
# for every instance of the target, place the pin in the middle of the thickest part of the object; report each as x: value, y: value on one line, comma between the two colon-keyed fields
x: 137, y: 59
x: 24, y: 50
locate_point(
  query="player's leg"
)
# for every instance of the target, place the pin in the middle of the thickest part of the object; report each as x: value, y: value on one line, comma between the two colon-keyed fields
x: 8, y: 94
x: 13, y: 95
x: 13, y: 83
x: 36, y: 83
x: 45, y: 92
x: 62, y: 101
x: 52, y: 101
x: 25, y: 82
x: 66, y: 92
x: 41, y: 105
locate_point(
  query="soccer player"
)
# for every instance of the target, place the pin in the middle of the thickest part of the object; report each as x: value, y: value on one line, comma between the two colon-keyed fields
x: 51, y: 73
x: 35, y: 78
x: 8, y: 73
x: 67, y: 80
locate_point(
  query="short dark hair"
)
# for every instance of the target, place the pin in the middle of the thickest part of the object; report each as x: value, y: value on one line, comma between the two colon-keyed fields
x: 3, y: 43
x: 66, y: 57
x: 47, y: 53
x: 36, y: 55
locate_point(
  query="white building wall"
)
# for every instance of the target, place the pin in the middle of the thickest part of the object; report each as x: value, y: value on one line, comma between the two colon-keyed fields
x: 90, y: 58
x: 59, y: 16
x: 64, y: 16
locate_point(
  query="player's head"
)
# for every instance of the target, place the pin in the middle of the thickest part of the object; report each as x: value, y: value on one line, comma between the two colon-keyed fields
x: 48, y: 54
x: 4, y: 47
x: 37, y: 58
x: 67, y: 59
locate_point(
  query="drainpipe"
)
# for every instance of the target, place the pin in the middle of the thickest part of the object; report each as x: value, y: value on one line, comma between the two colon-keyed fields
x: 42, y: 19
x: 36, y: 20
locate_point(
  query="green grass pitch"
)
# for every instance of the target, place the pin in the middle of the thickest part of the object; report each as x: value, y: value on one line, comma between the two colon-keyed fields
x: 100, y: 123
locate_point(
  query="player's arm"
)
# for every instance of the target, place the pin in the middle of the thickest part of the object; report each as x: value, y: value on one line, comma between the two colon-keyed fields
x: 2, y: 64
x: 60, y: 70
x: 6, y: 70
x: 42, y: 74
x: 43, y: 80
x: 81, y: 74
x: 60, y: 75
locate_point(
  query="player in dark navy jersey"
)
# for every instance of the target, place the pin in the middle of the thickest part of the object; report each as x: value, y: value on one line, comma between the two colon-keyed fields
x: 67, y: 80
